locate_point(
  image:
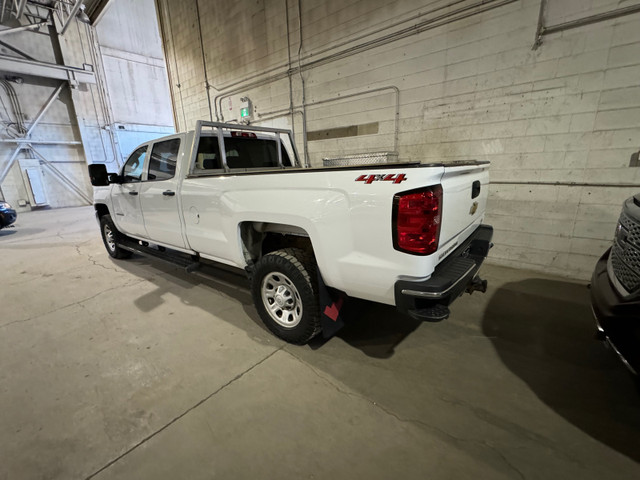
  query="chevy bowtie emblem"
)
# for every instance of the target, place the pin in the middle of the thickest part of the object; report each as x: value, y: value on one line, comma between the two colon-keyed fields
x: 474, y: 208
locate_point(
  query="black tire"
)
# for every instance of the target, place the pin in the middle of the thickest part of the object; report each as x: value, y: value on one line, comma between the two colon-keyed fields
x: 284, y: 286
x: 111, y: 236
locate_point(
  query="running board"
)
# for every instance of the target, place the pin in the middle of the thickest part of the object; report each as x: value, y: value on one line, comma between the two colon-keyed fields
x: 178, y: 259
x: 190, y: 263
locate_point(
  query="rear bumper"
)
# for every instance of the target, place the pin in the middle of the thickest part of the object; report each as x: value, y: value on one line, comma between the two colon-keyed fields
x: 430, y: 299
x: 617, y: 318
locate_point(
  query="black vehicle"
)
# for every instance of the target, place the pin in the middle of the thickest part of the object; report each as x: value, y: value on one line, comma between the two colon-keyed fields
x: 615, y: 288
x: 7, y: 215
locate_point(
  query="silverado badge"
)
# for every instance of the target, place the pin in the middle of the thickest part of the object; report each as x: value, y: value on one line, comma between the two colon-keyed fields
x: 473, y: 208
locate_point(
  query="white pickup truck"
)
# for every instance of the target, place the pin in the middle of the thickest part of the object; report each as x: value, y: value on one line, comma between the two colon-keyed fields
x: 404, y: 234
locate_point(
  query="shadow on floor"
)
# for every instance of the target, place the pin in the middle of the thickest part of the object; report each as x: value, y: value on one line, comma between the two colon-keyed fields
x: 372, y: 328
x: 543, y: 331
x: 5, y: 232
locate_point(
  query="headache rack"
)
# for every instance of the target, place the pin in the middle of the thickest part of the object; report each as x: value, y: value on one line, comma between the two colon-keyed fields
x: 224, y: 131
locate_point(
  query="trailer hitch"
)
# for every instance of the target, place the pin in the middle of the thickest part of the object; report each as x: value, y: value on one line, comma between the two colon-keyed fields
x: 477, y: 285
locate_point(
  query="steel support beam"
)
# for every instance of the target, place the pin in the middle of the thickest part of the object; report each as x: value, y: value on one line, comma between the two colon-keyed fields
x: 71, y: 17
x: 21, y: 66
x: 20, y: 10
x: 33, y: 26
x: 17, y: 50
x: 40, y: 142
x: 62, y: 177
x: 43, y: 110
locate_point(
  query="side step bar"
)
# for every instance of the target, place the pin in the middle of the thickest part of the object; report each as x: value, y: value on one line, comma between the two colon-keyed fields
x: 190, y: 263
x: 174, y: 258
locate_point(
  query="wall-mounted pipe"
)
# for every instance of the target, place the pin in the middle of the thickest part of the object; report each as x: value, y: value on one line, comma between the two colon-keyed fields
x: 441, y: 20
x: 285, y: 113
x: 207, y: 86
x: 567, y: 184
x: 224, y: 87
x: 374, y: 90
x: 579, y: 22
x: 396, y: 90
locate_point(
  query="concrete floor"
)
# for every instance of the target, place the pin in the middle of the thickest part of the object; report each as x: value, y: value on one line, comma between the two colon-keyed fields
x: 135, y: 370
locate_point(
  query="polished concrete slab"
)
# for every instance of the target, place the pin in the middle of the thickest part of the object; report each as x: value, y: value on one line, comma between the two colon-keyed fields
x: 134, y: 369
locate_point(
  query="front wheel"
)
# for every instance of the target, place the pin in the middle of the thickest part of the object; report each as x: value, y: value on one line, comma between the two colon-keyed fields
x: 111, y: 236
x: 285, y: 292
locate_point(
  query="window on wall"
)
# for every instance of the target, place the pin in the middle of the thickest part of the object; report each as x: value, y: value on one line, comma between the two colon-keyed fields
x: 164, y: 157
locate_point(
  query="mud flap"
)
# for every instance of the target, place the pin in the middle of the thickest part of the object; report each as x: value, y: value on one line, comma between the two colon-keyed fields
x: 332, y: 307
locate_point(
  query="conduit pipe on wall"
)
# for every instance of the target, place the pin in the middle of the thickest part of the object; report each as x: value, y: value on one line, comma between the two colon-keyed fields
x: 567, y: 184
x: 441, y: 20
x: 283, y: 112
x: 580, y: 22
x: 347, y: 42
x: 207, y: 86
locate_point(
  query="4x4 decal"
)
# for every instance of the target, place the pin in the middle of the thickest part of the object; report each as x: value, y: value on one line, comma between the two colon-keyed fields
x: 368, y: 179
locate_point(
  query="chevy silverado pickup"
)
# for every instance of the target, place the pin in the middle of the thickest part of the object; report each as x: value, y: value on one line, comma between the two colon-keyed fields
x: 403, y: 234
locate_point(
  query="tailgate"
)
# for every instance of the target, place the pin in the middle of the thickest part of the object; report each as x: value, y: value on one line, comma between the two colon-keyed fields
x: 464, y: 198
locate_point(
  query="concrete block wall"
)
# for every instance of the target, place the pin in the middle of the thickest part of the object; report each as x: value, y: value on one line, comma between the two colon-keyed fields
x: 559, y: 123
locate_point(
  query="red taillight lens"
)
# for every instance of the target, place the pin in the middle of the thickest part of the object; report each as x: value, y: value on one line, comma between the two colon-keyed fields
x: 416, y: 220
x: 243, y: 134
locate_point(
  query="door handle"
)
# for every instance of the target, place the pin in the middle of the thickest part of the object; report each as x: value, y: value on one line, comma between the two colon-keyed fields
x: 168, y: 193
x: 133, y: 193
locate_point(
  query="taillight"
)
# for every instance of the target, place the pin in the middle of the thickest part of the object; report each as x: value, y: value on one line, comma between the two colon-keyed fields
x: 416, y: 220
x: 243, y: 134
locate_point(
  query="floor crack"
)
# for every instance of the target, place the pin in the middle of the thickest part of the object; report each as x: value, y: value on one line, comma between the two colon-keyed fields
x: 190, y: 409
x: 92, y: 259
x: 79, y: 302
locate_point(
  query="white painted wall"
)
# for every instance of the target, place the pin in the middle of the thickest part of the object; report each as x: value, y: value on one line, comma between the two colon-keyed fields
x: 134, y: 64
x: 566, y: 112
x: 126, y: 53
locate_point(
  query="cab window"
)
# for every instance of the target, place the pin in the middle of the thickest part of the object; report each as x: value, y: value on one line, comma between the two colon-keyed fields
x: 241, y: 153
x: 132, y: 170
x: 164, y: 157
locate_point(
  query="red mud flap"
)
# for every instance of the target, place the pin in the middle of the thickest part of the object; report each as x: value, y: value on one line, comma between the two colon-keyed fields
x: 332, y: 307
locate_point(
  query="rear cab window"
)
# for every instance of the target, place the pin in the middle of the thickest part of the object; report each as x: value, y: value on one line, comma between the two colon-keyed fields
x: 243, y: 153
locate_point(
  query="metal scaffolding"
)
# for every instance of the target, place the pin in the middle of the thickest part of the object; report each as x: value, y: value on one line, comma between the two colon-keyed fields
x: 54, y: 17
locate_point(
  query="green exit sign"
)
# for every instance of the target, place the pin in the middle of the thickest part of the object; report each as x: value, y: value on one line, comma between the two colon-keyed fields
x: 244, y: 112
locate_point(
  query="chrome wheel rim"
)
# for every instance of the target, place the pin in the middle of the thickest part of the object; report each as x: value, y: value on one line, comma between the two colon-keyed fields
x: 281, y: 299
x: 109, y: 238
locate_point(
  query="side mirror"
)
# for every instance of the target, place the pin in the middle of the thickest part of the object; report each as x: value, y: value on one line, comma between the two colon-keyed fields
x: 114, y: 178
x: 98, y: 175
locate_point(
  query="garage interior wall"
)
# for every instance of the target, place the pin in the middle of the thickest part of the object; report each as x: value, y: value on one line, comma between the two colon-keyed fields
x: 90, y: 123
x: 560, y: 122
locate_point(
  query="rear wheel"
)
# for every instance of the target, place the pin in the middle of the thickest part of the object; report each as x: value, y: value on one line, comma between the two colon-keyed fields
x: 111, y: 236
x: 285, y: 291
